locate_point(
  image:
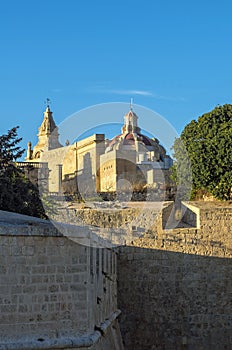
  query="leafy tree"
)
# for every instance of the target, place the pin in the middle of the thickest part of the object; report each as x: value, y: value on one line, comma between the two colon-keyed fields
x: 17, y: 193
x: 208, y: 145
x: 181, y: 171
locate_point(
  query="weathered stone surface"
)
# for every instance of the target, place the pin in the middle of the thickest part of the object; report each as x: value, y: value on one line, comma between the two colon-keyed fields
x: 52, y: 289
x: 174, y: 285
x: 174, y: 281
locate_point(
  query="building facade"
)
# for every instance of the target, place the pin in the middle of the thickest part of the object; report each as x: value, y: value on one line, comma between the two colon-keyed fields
x: 131, y: 161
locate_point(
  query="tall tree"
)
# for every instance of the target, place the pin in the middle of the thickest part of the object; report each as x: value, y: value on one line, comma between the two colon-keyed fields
x: 208, y: 144
x: 17, y: 193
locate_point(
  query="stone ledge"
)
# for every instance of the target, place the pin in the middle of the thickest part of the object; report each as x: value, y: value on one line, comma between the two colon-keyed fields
x: 13, y: 224
x: 84, y: 341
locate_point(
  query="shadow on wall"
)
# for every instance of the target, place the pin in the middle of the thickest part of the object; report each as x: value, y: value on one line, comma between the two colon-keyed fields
x: 174, y: 300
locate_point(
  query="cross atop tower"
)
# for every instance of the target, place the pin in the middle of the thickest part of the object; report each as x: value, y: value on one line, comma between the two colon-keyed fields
x: 131, y: 103
x: 47, y: 102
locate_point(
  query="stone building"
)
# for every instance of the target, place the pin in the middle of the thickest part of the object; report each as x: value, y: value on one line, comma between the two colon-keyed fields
x: 48, y: 138
x: 130, y: 161
x: 133, y: 157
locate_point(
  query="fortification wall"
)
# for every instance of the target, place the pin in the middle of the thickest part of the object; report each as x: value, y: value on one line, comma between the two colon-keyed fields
x: 138, y: 216
x: 55, y: 293
x: 174, y: 285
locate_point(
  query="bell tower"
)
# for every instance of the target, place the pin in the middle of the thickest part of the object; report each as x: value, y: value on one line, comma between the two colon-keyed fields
x: 130, y: 122
x: 48, y: 136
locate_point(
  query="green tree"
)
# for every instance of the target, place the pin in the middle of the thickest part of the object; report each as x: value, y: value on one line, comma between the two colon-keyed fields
x: 17, y: 193
x: 208, y: 145
x: 181, y: 171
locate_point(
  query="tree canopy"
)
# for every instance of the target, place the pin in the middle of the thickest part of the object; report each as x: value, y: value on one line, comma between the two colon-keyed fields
x: 17, y: 193
x: 203, y: 153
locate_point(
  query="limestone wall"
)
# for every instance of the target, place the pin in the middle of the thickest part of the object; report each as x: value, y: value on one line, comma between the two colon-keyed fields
x: 122, y: 225
x: 108, y: 171
x: 174, y: 286
x: 191, y: 214
x: 174, y: 300
x: 54, y: 293
x: 88, y: 163
x: 55, y: 159
x: 82, y: 159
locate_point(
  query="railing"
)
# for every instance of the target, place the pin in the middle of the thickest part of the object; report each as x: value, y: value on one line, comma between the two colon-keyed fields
x: 38, y: 165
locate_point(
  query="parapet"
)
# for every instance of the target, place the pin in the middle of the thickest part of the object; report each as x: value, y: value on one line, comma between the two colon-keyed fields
x: 56, y: 290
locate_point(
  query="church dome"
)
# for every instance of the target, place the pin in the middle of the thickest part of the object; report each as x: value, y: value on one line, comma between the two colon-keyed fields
x: 115, y: 140
x: 144, y: 139
x: 131, y: 138
x: 131, y: 133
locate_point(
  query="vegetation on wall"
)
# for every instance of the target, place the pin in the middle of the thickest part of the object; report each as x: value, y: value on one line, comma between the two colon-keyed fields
x: 17, y: 193
x: 203, y: 154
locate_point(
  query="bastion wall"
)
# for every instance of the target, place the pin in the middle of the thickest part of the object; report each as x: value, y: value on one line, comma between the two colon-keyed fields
x: 174, y: 284
x: 56, y: 291
x: 170, y: 275
x: 174, y: 273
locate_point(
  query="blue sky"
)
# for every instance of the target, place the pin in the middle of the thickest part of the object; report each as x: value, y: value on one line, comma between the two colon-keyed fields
x: 174, y: 57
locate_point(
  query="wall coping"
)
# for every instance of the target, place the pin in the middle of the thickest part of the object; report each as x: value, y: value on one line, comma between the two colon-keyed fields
x: 84, y: 341
x: 210, y: 205
x: 14, y: 224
